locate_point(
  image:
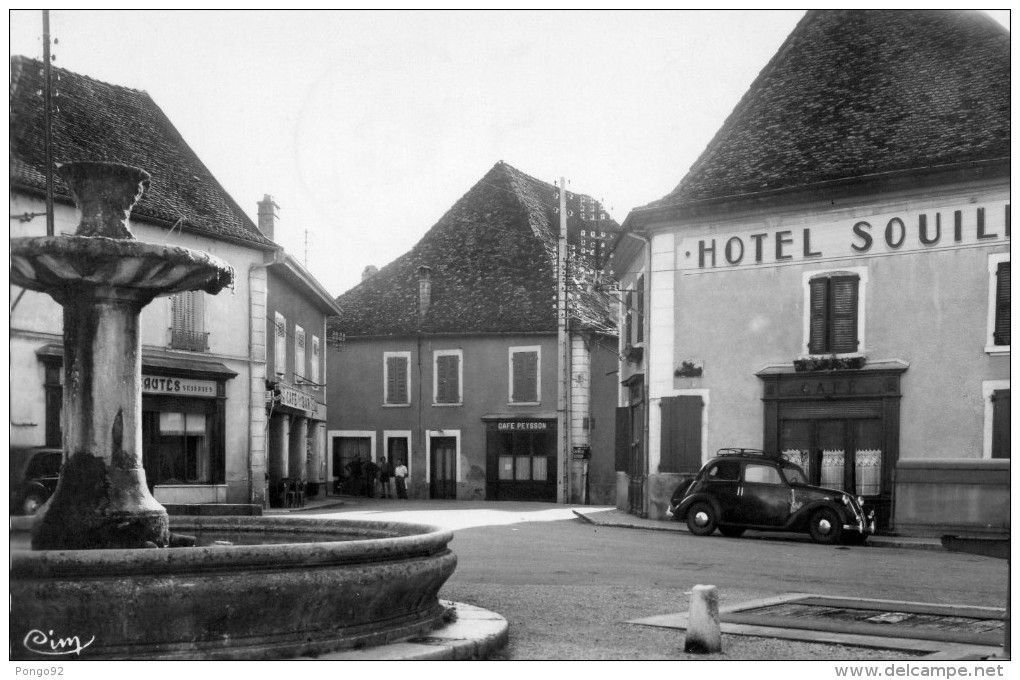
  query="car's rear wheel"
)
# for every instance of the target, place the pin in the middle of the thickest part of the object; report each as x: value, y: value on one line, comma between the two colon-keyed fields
x: 826, y: 527
x: 32, y: 503
x: 732, y: 532
x: 701, y: 519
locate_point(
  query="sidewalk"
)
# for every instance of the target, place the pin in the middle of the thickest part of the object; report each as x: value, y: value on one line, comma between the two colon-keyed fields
x: 614, y: 517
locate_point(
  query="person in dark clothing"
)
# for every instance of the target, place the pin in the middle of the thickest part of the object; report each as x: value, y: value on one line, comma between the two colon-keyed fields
x: 371, y: 471
x: 385, y: 472
x: 354, y: 471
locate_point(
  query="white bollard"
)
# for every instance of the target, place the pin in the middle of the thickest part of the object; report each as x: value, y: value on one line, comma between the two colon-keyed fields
x: 703, y: 636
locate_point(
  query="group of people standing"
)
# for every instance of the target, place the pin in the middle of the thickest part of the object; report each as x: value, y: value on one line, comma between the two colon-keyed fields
x: 365, y: 475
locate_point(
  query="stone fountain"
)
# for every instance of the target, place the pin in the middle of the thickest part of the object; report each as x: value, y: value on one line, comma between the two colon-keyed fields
x: 101, y: 579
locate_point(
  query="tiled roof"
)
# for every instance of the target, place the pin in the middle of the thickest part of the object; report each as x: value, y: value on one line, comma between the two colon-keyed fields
x: 102, y: 122
x: 492, y: 258
x: 853, y: 93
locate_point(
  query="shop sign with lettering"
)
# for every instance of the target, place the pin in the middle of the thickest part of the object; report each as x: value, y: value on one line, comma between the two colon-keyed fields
x: 178, y: 387
x: 522, y: 425
x: 881, y: 234
x: 295, y: 399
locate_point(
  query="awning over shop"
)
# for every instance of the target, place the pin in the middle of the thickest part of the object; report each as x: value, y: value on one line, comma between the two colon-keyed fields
x: 162, y: 364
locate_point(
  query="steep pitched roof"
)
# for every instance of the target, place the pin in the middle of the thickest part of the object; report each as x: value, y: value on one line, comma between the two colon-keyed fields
x: 492, y: 258
x: 102, y: 122
x: 853, y: 93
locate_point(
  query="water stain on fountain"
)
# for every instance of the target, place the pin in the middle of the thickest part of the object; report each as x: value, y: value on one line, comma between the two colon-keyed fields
x: 86, y: 578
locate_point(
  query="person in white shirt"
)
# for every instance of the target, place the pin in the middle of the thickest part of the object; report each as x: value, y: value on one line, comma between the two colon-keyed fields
x: 400, y: 474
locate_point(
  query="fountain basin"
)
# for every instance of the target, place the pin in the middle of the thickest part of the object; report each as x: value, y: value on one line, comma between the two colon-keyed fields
x: 375, y: 583
x: 51, y: 264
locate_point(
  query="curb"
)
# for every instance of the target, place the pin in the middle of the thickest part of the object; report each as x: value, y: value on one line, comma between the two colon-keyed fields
x: 873, y: 541
x: 475, y: 635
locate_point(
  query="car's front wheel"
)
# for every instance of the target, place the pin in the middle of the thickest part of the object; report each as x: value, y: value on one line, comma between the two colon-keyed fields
x: 32, y: 503
x: 701, y: 519
x: 826, y: 527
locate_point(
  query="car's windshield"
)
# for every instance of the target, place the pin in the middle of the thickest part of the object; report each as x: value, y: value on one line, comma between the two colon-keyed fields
x: 795, y: 475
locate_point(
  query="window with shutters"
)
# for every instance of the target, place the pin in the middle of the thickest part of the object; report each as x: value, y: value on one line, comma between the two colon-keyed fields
x: 187, y: 321
x: 525, y: 374
x: 300, y: 373
x: 279, y: 344
x: 316, y: 360
x: 447, y: 377
x: 396, y: 378
x: 997, y: 340
x: 834, y: 311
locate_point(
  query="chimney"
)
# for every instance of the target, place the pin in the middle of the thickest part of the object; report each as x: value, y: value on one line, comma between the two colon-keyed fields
x: 370, y: 271
x: 424, y: 291
x: 268, y: 216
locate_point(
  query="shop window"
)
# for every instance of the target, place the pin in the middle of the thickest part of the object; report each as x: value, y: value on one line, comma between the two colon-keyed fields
x: 299, y: 354
x: 998, y: 304
x: 280, y: 345
x: 524, y: 457
x: 525, y: 363
x: 187, y: 322
x: 183, y: 449
x: 397, y: 379
x: 316, y: 359
x: 448, y: 376
x: 834, y: 313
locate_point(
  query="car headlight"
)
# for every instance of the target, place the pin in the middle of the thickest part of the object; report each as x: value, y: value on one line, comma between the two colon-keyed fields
x: 860, y: 501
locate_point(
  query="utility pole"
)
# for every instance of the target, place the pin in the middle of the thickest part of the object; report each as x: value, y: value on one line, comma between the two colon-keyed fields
x: 48, y: 121
x: 563, y: 356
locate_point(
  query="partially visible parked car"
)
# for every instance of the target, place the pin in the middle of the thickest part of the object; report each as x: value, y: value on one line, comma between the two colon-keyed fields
x: 744, y: 489
x: 34, y: 474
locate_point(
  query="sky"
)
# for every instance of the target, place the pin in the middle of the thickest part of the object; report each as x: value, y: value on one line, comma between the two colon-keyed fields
x: 366, y: 127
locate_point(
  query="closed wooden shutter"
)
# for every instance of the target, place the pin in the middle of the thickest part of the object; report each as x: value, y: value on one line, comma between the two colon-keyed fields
x: 525, y: 378
x: 623, y: 437
x: 396, y: 380
x: 833, y: 315
x: 1002, y: 304
x: 843, y: 303
x: 819, y: 310
x: 639, y: 317
x: 628, y: 333
x: 1000, y: 424
x: 447, y: 388
x: 680, y: 449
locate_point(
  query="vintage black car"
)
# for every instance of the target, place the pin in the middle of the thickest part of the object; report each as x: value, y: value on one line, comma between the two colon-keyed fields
x: 744, y: 489
x: 34, y: 474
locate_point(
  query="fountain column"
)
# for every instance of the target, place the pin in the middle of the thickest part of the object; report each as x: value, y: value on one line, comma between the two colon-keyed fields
x: 103, y: 278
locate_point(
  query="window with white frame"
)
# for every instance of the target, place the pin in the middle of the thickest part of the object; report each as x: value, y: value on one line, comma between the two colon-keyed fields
x: 280, y: 344
x: 997, y: 335
x: 300, y: 373
x: 834, y: 311
x: 316, y: 359
x: 396, y: 378
x: 525, y: 371
x: 447, y: 376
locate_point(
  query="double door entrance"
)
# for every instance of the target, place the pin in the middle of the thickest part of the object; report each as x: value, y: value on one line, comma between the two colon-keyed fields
x: 841, y: 427
x: 443, y: 467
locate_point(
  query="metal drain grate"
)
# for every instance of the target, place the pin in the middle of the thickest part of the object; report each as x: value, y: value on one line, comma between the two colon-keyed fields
x: 903, y: 620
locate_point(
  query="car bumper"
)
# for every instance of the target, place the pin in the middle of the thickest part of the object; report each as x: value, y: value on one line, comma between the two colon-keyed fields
x: 864, y: 525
